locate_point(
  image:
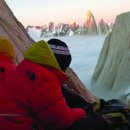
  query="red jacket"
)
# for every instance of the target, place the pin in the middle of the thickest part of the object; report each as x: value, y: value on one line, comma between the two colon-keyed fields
x: 32, y: 94
x: 45, y: 97
x: 13, y: 98
x: 6, y: 66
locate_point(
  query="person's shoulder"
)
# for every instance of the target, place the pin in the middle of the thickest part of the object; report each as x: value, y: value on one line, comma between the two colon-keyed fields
x: 7, y: 66
x: 39, y: 70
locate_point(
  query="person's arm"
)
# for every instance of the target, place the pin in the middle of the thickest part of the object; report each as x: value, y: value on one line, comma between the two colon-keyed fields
x: 72, y: 98
x: 77, y: 85
x: 51, y: 108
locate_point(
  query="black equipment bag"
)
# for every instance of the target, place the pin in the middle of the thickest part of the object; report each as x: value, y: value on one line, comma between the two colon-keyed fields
x: 119, y: 108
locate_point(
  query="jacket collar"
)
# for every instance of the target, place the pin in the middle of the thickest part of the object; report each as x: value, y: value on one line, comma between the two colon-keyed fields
x: 41, y: 53
x: 60, y: 74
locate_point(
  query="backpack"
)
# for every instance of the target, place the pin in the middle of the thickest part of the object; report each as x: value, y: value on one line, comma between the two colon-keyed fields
x: 118, y: 111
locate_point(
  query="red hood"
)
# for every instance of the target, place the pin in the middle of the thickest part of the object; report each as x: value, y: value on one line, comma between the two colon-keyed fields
x: 61, y: 75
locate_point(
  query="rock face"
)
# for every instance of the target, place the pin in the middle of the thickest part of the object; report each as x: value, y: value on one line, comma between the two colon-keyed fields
x: 103, y: 28
x: 13, y: 29
x: 111, y: 77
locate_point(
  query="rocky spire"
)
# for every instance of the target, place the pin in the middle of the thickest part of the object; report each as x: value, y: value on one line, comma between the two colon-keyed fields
x: 90, y: 23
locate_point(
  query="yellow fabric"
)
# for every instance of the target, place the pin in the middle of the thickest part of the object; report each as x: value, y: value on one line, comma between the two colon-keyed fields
x: 96, y: 105
x: 41, y: 53
x: 6, y: 47
x: 118, y: 114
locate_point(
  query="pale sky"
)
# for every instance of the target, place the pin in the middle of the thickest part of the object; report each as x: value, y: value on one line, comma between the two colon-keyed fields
x: 40, y: 12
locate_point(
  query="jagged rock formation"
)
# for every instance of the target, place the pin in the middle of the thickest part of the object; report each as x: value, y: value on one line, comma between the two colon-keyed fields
x: 90, y: 24
x: 111, y: 26
x: 111, y: 77
x: 14, y: 30
x: 103, y: 28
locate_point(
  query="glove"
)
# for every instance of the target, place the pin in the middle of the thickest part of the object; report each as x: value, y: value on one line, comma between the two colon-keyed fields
x: 92, y: 107
x: 96, y: 105
x: 99, y: 106
x: 88, y: 108
x: 102, y: 103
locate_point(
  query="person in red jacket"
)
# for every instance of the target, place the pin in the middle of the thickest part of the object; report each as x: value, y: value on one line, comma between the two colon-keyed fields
x: 6, y: 68
x: 43, y: 70
x: 32, y: 95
